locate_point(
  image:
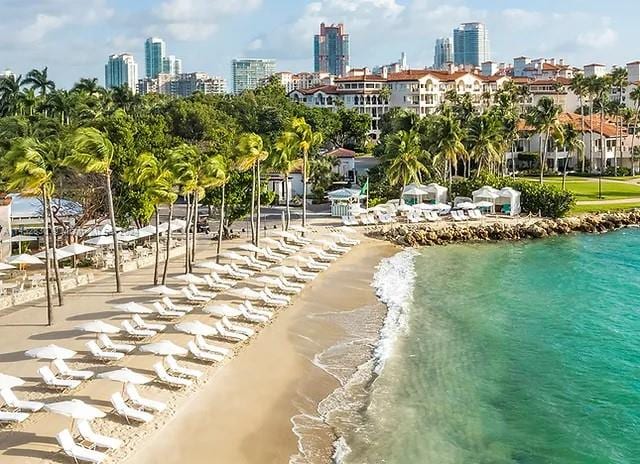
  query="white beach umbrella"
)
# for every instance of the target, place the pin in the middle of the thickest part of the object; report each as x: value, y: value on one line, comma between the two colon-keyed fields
x: 212, y: 265
x: 77, y: 249
x: 164, y: 348
x: 75, y: 409
x: 162, y: 290
x: 232, y: 255
x: 9, y: 381
x: 245, y: 293
x: 98, y: 327
x: 284, y: 270
x: 23, y: 238
x: 196, y: 328
x: 265, y: 279
x: 50, y: 352
x: 191, y: 279
x: 466, y: 205
x: 102, y: 240
x: 125, y: 376
x: 126, y: 237
x: 59, y: 254
x: 133, y: 308
x: 222, y: 310
x: 251, y: 247
x: 23, y: 259
x: 6, y: 267
x: 150, y: 230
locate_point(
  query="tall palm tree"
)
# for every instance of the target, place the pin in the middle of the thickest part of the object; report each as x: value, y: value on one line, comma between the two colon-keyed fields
x: 405, y: 159
x: 89, y: 86
x: 307, y: 140
x: 26, y: 102
x: 285, y: 159
x: 571, y: 139
x: 634, y: 95
x: 544, y: 118
x: 579, y: 87
x: 9, y: 94
x: 39, y: 81
x: 92, y: 152
x: 485, y: 140
x: 61, y: 103
x: 619, y: 78
x: 592, y: 84
x: 220, y: 165
x: 602, y: 90
x: 251, y: 152
x: 450, y: 145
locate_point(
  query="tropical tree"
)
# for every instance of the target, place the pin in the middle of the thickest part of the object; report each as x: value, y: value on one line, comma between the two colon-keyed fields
x: 40, y: 82
x: 9, y: 94
x: 602, y: 90
x: 90, y: 86
x: 92, y: 152
x: 579, y: 86
x: 307, y: 140
x: 544, y: 118
x: 220, y: 170
x: 450, y: 147
x: 284, y: 160
x: 250, y: 153
x: 634, y: 95
x: 405, y: 159
x: 485, y: 139
x: 572, y: 141
x: 618, y: 78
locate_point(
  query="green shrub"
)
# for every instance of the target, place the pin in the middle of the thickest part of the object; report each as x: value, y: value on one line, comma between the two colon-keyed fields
x: 548, y: 200
x: 622, y: 171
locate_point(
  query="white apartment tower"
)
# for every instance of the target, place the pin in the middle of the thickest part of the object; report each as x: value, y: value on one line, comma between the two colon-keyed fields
x: 247, y: 73
x: 121, y: 69
x: 443, y: 53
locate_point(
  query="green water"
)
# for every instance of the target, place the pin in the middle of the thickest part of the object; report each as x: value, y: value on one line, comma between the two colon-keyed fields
x: 515, y: 353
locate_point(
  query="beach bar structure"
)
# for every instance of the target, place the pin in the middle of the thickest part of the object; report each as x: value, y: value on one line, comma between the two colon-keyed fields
x: 414, y: 194
x: 486, y: 195
x: 343, y: 201
x: 506, y: 201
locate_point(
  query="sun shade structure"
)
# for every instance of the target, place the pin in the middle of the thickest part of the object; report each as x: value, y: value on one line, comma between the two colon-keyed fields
x: 163, y: 290
x: 6, y: 267
x: 133, y: 308
x: 76, y: 249
x: 75, y: 409
x: 59, y: 254
x: 98, y: 327
x: 191, y: 279
x: 164, y: 348
x: 23, y: 238
x: 23, y: 259
x: 125, y: 375
x: 222, y: 310
x: 9, y: 381
x: 100, y: 241
x: 50, y: 352
x: 196, y: 328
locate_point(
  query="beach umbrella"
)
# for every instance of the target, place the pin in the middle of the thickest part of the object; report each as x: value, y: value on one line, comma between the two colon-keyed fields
x: 98, y: 327
x: 125, y: 376
x: 162, y: 290
x: 23, y: 259
x: 100, y: 241
x: 50, y: 352
x: 251, y: 247
x: 164, y: 348
x: 191, y: 279
x: 222, y: 310
x: 77, y: 249
x: 466, y: 205
x: 178, y: 224
x: 232, y: 255
x: 59, y: 254
x: 75, y: 409
x: 9, y: 381
x: 284, y: 270
x: 196, y: 328
x: 244, y: 293
x: 126, y: 237
x: 268, y: 280
x: 213, y: 266
x: 23, y: 238
x: 6, y: 267
x: 133, y: 308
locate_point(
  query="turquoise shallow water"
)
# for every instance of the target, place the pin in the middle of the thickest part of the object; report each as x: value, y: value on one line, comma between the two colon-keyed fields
x: 513, y: 353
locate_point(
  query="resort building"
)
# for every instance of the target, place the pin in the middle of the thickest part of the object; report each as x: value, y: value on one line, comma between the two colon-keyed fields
x: 542, y: 68
x: 183, y: 85
x: 304, y: 80
x: 154, y: 54
x: 594, y: 69
x: 121, y: 70
x: 331, y: 51
x: 247, y: 73
x: 471, y: 44
x: 443, y: 53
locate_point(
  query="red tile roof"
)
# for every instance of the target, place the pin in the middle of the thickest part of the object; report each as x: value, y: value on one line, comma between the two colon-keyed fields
x: 329, y: 89
x: 362, y: 78
x: 608, y: 129
x: 341, y: 153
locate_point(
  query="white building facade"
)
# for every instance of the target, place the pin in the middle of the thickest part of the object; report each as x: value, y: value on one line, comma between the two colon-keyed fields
x: 121, y: 70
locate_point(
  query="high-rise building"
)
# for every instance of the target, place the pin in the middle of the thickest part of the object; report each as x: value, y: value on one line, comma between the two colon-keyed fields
x: 155, y: 51
x: 121, y: 69
x: 247, y: 73
x: 443, y: 52
x: 471, y: 44
x: 172, y: 65
x: 331, y: 50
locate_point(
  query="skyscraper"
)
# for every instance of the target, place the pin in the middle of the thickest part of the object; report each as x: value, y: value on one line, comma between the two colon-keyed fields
x: 443, y: 53
x: 331, y: 50
x: 121, y: 70
x: 247, y: 73
x: 171, y: 65
x: 471, y: 44
x: 155, y: 51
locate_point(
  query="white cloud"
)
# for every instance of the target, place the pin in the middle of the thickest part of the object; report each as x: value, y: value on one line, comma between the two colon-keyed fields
x: 41, y: 26
x: 598, y: 39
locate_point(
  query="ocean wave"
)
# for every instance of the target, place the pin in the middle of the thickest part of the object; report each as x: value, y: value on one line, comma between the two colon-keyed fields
x: 340, y: 451
x: 394, y: 282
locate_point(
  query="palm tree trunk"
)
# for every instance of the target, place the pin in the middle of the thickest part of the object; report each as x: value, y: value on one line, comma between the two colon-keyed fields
x: 46, y: 262
x: 258, y: 203
x: 582, y: 130
x: 221, y: 225
x: 253, y: 204
x: 186, y: 234
x: 155, y: 267
x: 591, y: 135
x: 633, y: 139
x: 603, y: 159
x: 541, y: 158
x: 112, y: 218
x: 56, y: 271
x: 196, y: 201
x: 304, y: 188
x: 166, y: 258
x: 288, y: 207
x: 564, y: 171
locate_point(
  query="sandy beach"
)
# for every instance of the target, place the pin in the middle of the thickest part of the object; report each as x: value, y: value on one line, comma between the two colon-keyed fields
x: 240, y: 411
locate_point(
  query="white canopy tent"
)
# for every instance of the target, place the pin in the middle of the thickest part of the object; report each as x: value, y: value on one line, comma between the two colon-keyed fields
x: 436, y: 193
x: 509, y: 201
x: 414, y: 193
x: 342, y: 201
x: 487, y: 194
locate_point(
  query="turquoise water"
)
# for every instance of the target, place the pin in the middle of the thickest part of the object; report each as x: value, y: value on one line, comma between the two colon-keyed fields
x: 513, y: 353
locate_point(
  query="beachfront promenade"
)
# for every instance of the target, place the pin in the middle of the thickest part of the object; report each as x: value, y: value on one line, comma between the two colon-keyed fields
x: 24, y: 327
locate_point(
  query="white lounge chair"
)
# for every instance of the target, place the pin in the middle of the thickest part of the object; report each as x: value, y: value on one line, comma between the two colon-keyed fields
x: 205, y: 346
x: 313, y: 265
x: 11, y: 400
x: 144, y: 325
x: 215, y: 282
x: 321, y: 255
x: 285, y: 248
x: 279, y: 300
x: 13, y: 417
x: 294, y: 285
x: 227, y: 324
x: 110, y: 345
x: 303, y: 275
x: 132, y: 332
x: 96, y: 440
x: 143, y: 403
x: 169, y: 379
x: 66, y: 371
x: 248, y: 316
x: 188, y: 294
x: 253, y: 310
x: 77, y: 452
x: 124, y: 410
x: 244, y: 272
x: 258, y: 263
x: 229, y: 335
x: 52, y: 381
x: 176, y: 369
x: 269, y: 255
x: 197, y: 292
x: 165, y: 313
x: 176, y: 307
x: 201, y: 354
x: 101, y: 355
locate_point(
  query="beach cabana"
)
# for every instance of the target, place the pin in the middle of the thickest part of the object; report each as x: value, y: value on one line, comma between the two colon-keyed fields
x: 342, y: 201
x: 486, y: 194
x: 436, y: 193
x: 414, y: 193
x: 509, y: 201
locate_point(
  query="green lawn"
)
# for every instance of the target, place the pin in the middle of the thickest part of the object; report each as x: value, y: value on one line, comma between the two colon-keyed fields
x: 587, y: 188
x: 604, y: 206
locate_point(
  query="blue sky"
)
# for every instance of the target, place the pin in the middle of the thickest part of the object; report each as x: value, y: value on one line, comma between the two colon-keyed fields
x: 74, y: 37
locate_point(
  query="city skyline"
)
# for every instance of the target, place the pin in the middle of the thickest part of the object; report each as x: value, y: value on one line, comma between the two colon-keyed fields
x: 208, y: 35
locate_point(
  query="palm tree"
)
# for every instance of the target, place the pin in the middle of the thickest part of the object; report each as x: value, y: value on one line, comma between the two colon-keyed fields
x: 61, y: 102
x: 251, y: 151
x: 544, y: 118
x: 9, y: 94
x: 485, y: 140
x: 571, y: 139
x: 404, y: 159
x: 592, y: 85
x: 26, y: 102
x: 602, y: 90
x: 92, y: 152
x: 307, y: 140
x: 579, y: 87
x: 619, y: 77
x: 89, y: 86
x: 284, y: 161
x: 39, y: 80
x: 634, y: 95
x: 156, y: 183
x: 450, y: 143
x: 221, y: 173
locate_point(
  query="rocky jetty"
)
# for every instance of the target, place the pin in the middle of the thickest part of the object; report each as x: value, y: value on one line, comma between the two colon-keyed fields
x: 412, y: 235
